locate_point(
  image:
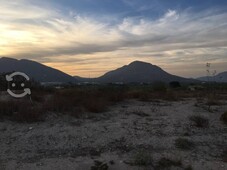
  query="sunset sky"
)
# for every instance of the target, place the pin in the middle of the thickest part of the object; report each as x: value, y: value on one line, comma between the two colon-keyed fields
x: 91, y: 37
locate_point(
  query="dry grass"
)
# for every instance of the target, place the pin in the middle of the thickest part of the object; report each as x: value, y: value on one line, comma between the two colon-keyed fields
x: 79, y: 99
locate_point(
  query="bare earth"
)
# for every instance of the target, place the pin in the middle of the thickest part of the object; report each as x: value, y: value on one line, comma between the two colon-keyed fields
x: 62, y: 142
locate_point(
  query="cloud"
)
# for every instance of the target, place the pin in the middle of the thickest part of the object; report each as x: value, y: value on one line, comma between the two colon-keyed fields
x: 46, y: 33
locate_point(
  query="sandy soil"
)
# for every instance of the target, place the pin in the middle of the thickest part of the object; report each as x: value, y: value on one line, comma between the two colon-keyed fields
x: 114, y: 137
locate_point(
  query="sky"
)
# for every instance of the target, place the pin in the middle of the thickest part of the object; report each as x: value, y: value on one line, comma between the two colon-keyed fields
x: 90, y: 37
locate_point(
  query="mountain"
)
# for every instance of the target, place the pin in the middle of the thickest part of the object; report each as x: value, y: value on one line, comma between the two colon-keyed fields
x: 137, y: 72
x: 35, y: 70
x: 221, y: 77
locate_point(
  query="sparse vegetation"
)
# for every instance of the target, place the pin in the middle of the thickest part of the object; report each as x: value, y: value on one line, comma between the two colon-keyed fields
x: 76, y: 100
x: 184, y: 144
x: 199, y: 121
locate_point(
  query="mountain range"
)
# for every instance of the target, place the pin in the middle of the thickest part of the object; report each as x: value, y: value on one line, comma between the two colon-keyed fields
x: 34, y: 70
x: 135, y: 72
x: 221, y: 77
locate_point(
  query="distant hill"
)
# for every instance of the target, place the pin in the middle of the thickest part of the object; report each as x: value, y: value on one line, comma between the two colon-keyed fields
x: 137, y: 72
x: 35, y: 70
x: 221, y: 77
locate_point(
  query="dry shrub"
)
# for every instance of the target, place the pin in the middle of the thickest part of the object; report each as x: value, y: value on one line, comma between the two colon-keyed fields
x: 21, y: 111
x: 213, y: 99
x: 164, y: 95
x: 224, y: 118
x: 139, y: 94
x: 58, y: 103
x: 95, y: 105
x: 159, y: 86
x: 184, y: 144
x: 143, y: 158
x: 199, y: 121
x: 38, y: 96
x: 140, y: 112
x: 74, y: 100
x: 167, y: 163
x: 116, y: 96
x: 29, y: 114
x: 171, y: 96
x: 98, y: 165
x: 7, y: 108
x: 133, y: 94
x: 224, y: 155
x: 113, y: 93
x: 146, y: 95
x: 213, y: 102
x: 189, y: 167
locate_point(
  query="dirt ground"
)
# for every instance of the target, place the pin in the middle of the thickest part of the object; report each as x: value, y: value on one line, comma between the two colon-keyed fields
x: 114, y: 138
